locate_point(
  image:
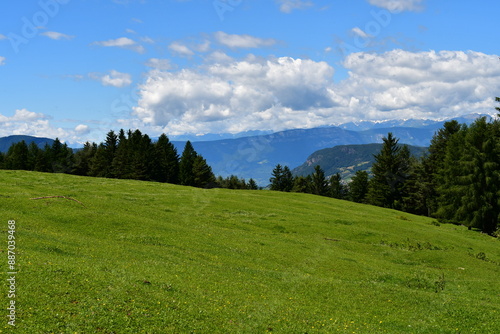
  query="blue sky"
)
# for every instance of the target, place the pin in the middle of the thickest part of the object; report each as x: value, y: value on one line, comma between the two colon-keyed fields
x: 75, y: 69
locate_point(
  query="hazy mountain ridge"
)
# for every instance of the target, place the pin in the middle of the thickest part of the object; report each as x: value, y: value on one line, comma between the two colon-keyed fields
x: 255, y: 156
x: 6, y: 142
x: 346, y: 159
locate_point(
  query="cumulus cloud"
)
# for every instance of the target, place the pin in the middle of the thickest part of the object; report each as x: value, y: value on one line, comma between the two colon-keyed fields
x: 234, y: 96
x: 122, y: 42
x: 283, y: 93
x: 242, y: 41
x: 25, y: 122
x: 403, y: 84
x: 396, y: 6
x: 56, y: 35
x: 82, y: 129
x: 113, y: 78
x: 287, y: 6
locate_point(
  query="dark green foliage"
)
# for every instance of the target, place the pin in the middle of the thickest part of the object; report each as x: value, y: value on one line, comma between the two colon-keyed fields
x: 282, y: 179
x: 166, y: 164
x: 186, y: 164
x: 202, y: 173
x: 17, y: 156
x: 337, y: 189
x: 130, y: 155
x: 319, y: 185
x: 252, y: 185
x: 302, y: 184
x: 82, y: 159
x: 358, y: 188
x: 470, y: 190
x: 390, y: 172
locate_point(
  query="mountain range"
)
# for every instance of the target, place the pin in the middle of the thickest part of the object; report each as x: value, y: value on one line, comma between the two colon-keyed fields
x: 255, y: 156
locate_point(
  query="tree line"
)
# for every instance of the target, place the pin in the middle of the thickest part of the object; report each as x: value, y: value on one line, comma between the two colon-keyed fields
x: 126, y: 155
x: 457, y: 182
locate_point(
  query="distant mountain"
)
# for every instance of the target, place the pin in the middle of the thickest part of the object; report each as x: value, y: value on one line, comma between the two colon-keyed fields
x: 255, y: 157
x: 346, y: 159
x: 408, y: 123
x: 6, y: 142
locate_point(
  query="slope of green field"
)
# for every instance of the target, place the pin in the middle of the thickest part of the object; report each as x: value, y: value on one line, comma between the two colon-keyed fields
x: 141, y: 257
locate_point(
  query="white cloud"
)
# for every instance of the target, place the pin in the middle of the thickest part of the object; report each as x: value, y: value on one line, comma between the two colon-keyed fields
x: 161, y: 64
x: 402, y: 84
x: 397, y: 6
x: 25, y: 122
x: 287, y: 6
x: 242, y: 41
x: 2, y: 37
x: 122, y: 42
x: 283, y: 93
x: 2, y: 61
x: 180, y: 49
x: 82, y: 129
x: 114, y: 78
x: 357, y: 31
x: 56, y: 35
x: 252, y: 93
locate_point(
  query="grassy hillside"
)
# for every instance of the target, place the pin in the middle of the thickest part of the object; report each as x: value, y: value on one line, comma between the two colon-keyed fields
x: 141, y: 257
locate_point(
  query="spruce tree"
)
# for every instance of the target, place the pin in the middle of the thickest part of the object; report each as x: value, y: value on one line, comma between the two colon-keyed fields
x: 252, y: 185
x: 202, y: 173
x: 319, y: 184
x: 390, y: 172
x: 17, y: 156
x: 337, y: 189
x: 277, y: 178
x: 166, y: 166
x: 186, y: 164
x: 358, y: 187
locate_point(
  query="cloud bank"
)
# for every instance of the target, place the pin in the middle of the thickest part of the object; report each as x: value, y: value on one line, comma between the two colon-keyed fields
x: 283, y: 93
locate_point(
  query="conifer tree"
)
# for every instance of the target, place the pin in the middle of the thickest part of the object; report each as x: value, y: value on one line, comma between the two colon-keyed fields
x: 337, y: 189
x: 252, y: 185
x: 166, y: 161
x: 302, y: 184
x: 319, y: 184
x: 186, y: 164
x: 390, y: 172
x: 277, y: 178
x: 358, y: 188
x: 17, y: 156
x: 202, y: 173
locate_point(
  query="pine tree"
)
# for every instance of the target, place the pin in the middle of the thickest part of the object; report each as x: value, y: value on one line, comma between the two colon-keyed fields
x: 121, y: 164
x: 287, y: 179
x: 83, y: 158
x: 17, y: 156
x: 479, y: 181
x: 358, y: 187
x: 277, y: 178
x: 202, y: 173
x: 302, y: 184
x: 186, y: 164
x: 166, y: 161
x: 252, y: 185
x: 390, y: 172
x: 319, y: 184
x: 337, y: 189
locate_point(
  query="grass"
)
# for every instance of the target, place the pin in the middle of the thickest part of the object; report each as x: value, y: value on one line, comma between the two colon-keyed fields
x: 144, y: 257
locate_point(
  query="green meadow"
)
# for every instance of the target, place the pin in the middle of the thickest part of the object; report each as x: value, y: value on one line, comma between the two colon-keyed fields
x: 145, y: 257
